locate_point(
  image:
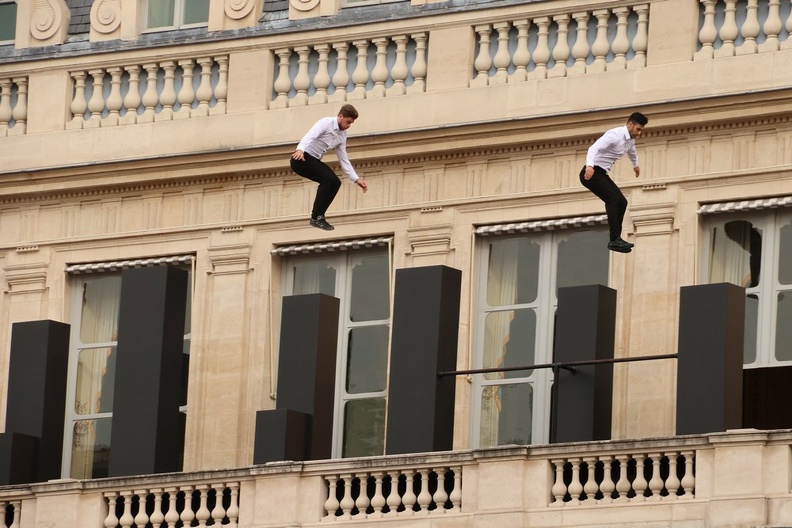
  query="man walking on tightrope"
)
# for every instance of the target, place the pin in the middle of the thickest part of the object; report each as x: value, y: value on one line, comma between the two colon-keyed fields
x: 601, y: 156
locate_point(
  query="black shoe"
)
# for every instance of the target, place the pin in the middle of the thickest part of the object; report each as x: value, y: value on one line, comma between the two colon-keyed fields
x: 630, y: 244
x: 321, y: 223
x: 620, y: 245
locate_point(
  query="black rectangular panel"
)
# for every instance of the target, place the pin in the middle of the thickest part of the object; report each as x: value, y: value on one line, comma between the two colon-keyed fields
x: 766, y: 398
x: 281, y: 434
x: 18, y: 459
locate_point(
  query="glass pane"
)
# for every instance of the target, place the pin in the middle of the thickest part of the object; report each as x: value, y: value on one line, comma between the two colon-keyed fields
x: 513, y: 271
x: 196, y: 11
x: 101, y: 298
x: 314, y: 276
x: 95, y: 380
x: 160, y: 13
x: 785, y: 254
x: 91, y: 449
x: 364, y: 427
x: 368, y: 359
x: 783, y: 341
x: 509, y: 340
x: 736, y: 254
x: 8, y: 21
x: 751, y: 325
x: 581, y: 260
x: 370, y: 295
x: 506, y: 415
x: 188, y: 304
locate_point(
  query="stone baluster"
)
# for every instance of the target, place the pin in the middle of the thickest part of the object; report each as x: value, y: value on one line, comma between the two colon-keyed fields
x: 621, y: 44
x: 218, y: 512
x: 689, y: 479
x: 607, y: 486
x: 655, y: 482
x: 302, y: 81
x: 186, y: 94
x: 150, y: 96
x: 456, y: 493
x: 378, y: 500
x: 341, y: 75
x: 232, y: 513
x: 114, y: 100
x: 19, y: 113
x: 672, y: 482
x: 322, y: 76
x: 575, y: 486
x: 600, y: 47
x: 187, y: 515
x: 772, y: 26
x: 639, y: 483
x: 409, y: 497
x: 168, y: 96
x: 708, y: 32
x: 522, y: 55
x: 5, y: 106
x: 360, y: 76
x: 379, y: 74
x: 3, y: 506
x: 282, y: 83
x: 347, y: 502
x: 96, y: 104
x: 126, y: 518
x: 750, y: 29
x: 157, y: 517
x: 203, y: 514
x: 542, y: 52
x: 424, y: 497
x: 728, y: 31
x: 111, y: 521
x: 419, y: 67
x: 502, y: 58
x: 559, y: 489
x: 623, y: 483
x: 362, y: 501
x: 561, y: 48
x: 221, y: 90
x: 399, y: 69
x: 142, y: 518
x: 641, y: 39
x: 590, y: 488
x: 580, y: 49
x: 132, y: 97
x: 331, y: 505
x: 483, y: 61
x: 16, y: 523
x: 78, y: 105
x: 172, y: 516
x: 440, y: 496
x: 204, y: 92
x: 394, y: 500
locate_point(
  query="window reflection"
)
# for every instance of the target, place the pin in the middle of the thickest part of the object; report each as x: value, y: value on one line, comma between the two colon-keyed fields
x: 513, y: 272
x: 100, y: 303
x: 91, y: 448
x: 95, y: 381
x: 510, y: 339
x: 506, y: 414
x: 581, y: 260
x: 314, y: 276
x: 370, y: 296
x: 364, y: 427
x: 751, y: 328
x: 783, y: 341
x: 736, y: 254
x: 785, y: 254
x: 367, y: 361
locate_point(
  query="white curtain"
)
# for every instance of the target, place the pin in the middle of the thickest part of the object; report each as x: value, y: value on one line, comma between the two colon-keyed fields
x: 731, y: 253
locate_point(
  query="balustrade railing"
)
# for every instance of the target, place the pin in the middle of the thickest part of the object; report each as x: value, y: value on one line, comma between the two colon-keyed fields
x: 391, y: 493
x: 13, y: 106
x: 558, y: 45
x: 741, y: 27
x: 10, y: 514
x: 349, y: 70
x: 153, y: 91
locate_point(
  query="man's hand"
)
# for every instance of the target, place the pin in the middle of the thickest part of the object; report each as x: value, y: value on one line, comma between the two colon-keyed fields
x: 589, y: 172
x: 637, y: 171
x: 360, y: 183
x: 298, y: 155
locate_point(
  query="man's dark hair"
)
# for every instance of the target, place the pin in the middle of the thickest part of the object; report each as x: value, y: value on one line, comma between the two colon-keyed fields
x: 348, y: 111
x: 638, y: 117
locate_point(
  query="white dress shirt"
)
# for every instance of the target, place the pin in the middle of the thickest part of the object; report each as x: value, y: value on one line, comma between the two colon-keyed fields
x: 326, y: 135
x: 610, y: 147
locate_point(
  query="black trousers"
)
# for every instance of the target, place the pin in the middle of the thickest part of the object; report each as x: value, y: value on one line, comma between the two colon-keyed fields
x: 316, y: 170
x: 607, y: 191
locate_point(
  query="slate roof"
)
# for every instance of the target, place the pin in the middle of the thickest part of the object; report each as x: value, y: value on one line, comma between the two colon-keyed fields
x: 80, y: 16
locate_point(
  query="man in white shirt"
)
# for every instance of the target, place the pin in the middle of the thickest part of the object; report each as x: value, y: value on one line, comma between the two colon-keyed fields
x: 327, y: 133
x: 601, y: 156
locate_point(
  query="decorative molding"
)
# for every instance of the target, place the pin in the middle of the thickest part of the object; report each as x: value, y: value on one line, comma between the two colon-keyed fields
x: 106, y: 15
x: 47, y: 19
x: 26, y: 278
x: 304, y: 5
x: 239, y: 9
x: 654, y: 219
x: 230, y: 259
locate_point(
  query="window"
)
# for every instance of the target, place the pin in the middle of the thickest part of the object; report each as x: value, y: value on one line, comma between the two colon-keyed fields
x: 516, y: 303
x: 754, y: 250
x: 361, y: 279
x: 8, y: 15
x: 176, y: 14
x: 95, y: 302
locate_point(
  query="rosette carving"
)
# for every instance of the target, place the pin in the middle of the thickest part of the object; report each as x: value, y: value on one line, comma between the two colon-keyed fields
x: 106, y: 15
x: 238, y: 9
x: 304, y: 5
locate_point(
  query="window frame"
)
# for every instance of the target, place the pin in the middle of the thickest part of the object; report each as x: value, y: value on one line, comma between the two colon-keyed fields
x: 178, y: 17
